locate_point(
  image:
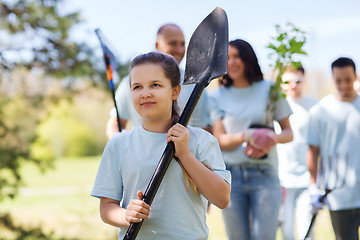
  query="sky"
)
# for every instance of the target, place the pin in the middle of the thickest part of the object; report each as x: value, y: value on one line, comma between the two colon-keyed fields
x: 333, y: 27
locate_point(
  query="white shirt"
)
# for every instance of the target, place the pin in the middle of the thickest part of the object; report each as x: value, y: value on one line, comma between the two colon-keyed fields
x: 293, y: 170
x: 334, y: 126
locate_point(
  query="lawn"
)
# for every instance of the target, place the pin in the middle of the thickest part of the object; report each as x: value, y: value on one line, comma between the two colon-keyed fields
x: 59, y: 201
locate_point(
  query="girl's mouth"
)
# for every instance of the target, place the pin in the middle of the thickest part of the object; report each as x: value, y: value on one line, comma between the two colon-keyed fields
x: 146, y: 104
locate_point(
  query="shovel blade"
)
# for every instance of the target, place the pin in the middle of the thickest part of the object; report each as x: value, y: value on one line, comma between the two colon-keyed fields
x: 208, y: 49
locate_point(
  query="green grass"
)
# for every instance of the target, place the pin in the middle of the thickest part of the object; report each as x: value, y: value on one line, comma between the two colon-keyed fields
x: 323, y: 229
x: 59, y: 201
x: 67, y: 171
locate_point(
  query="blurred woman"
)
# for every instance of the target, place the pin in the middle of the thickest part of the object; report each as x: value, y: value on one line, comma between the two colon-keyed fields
x: 249, y: 154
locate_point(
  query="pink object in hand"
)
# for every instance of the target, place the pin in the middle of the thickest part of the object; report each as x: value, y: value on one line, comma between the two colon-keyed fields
x: 263, y: 139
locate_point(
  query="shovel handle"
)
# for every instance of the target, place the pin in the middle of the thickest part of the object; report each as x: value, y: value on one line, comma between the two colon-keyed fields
x: 191, y: 103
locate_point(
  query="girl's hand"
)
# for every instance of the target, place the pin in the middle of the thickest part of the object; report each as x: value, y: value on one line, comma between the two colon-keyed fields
x: 180, y: 136
x: 137, y: 210
x: 262, y: 139
x: 253, y: 152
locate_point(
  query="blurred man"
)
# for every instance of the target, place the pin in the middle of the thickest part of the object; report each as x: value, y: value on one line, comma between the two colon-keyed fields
x: 170, y: 40
x: 334, y: 138
x: 357, y: 86
x: 293, y: 173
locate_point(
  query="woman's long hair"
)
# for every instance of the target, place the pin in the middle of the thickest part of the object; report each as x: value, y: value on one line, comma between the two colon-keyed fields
x: 247, y: 55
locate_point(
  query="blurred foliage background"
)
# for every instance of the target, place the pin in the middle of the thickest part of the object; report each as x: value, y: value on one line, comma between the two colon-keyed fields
x: 54, y: 103
x: 54, y: 97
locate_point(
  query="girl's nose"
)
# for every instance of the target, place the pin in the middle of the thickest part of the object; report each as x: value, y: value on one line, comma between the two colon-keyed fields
x: 146, y: 93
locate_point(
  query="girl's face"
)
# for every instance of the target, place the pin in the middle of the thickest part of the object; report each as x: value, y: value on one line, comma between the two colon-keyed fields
x: 152, y: 93
x: 236, y: 66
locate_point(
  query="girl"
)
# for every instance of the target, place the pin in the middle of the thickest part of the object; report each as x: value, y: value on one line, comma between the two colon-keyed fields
x: 240, y: 102
x: 130, y: 158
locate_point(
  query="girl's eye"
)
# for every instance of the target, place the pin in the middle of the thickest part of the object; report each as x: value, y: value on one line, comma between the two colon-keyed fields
x: 135, y: 87
x: 156, y: 85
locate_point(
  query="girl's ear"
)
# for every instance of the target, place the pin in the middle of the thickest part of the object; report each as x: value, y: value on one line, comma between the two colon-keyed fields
x: 176, y: 92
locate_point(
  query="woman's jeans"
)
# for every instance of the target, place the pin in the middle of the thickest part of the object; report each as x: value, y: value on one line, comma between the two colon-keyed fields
x: 254, y: 202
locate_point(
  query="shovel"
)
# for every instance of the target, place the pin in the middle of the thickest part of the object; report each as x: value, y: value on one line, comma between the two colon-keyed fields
x: 206, y: 59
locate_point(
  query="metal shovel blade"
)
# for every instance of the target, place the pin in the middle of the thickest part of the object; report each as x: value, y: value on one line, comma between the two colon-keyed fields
x: 208, y: 47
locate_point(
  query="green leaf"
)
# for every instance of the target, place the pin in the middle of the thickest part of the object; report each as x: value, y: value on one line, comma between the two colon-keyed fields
x: 280, y: 38
x: 271, y: 46
x: 295, y: 65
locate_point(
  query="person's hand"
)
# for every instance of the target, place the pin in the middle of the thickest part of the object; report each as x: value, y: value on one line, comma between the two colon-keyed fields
x: 253, y: 152
x: 261, y: 138
x: 180, y: 136
x: 315, y: 196
x: 137, y: 210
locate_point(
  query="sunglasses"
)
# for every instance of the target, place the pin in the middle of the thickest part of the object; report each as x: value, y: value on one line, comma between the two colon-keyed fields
x: 294, y: 80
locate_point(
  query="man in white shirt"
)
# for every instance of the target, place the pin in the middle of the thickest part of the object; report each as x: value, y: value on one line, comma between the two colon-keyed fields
x: 293, y: 173
x: 334, y: 139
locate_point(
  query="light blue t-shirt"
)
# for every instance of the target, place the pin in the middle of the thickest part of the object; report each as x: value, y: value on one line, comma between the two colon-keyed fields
x: 334, y: 126
x: 293, y: 170
x: 127, y: 165
x: 239, y: 108
x: 199, y: 118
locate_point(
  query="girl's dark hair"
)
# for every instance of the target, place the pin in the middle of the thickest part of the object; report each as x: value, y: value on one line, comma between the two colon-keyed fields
x: 247, y: 55
x: 171, y: 72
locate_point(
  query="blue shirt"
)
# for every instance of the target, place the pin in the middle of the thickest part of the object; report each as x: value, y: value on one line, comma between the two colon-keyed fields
x: 239, y: 108
x: 127, y: 165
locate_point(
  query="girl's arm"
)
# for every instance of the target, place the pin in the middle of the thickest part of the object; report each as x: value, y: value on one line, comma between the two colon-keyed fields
x: 211, y: 185
x: 111, y: 212
x: 227, y: 142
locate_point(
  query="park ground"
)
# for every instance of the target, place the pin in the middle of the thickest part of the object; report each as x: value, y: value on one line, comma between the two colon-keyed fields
x: 59, y: 201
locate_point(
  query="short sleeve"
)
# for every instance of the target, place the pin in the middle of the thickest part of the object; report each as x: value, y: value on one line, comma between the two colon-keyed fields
x: 204, y: 111
x: 123, y: 98
x: 210, y: 155
x: 313, y: 128
x: 215, y: 111
x: 108, y: 182
x: 282, y: 109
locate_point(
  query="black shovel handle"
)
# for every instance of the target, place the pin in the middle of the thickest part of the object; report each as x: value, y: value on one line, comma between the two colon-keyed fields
x: 166, y: 157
